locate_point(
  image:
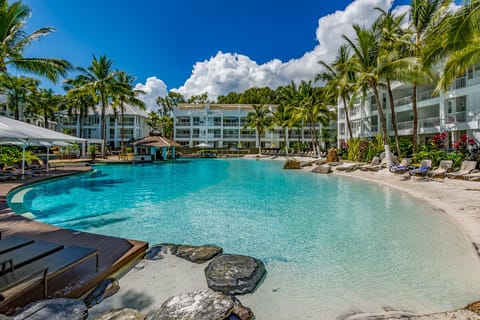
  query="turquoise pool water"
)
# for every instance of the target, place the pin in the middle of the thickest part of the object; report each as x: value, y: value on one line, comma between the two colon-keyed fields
x: 331, y: 245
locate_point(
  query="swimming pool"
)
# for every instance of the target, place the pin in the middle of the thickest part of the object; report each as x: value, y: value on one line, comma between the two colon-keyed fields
x: 331, y: 245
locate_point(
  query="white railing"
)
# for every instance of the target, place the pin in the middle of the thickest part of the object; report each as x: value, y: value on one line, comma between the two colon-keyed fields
x: 405, y: 125
x: 456, y: 117
x: 430, y: 122
x: 402, y: 101
x: 424, y: 95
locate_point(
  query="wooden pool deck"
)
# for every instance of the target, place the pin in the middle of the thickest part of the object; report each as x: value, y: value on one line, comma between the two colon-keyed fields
x: 115, y: 254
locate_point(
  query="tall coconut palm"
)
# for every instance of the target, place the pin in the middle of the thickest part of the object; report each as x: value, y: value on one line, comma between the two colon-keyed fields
x: 17, y: 90
x: 394, y: 42
x: 14, y: 40
x: 126, y: 93
x: 459, y: 46
x: 311, y: 110
x: 367, y: 63
x: 424, y: 16
x: 259, y: 120
x: 339, y: 80
x: 281, y: 118
x: 77, y: 101
x: 99, y: 78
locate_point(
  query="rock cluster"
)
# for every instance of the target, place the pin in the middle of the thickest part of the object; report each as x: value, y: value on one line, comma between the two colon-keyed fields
x: 234, y: 274
x: 55, y: 309
x: 324, y: 168
x: 197, y: 254
x: 292, y: 164
x: 107, y: 288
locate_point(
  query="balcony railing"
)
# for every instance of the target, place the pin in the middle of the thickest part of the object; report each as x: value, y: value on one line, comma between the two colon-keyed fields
x: 430, y: 122
x: 248, y: 136
x: 456, y: 117
x: 374, y: 128
x: 183, y: 135
x: 230, y: 136
x: 403, y: 101
x: 424, y: 95
x: 459, y: 83
x: 405, y: 125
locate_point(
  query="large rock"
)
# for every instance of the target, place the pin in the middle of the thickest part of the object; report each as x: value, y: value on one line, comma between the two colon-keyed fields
x: 198, y: 305
x: 158, y: 251
x: 292, y: 164
x: 240, y: 311
x: 234, y: 274
x: 53, y: 309
x: 122, y: 314
x: 452, y: 315
x: 198, y: 254
x: 107, y: 288
x: 324, y: 168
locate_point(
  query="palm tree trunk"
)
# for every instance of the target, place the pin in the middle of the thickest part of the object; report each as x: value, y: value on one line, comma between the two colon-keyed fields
x: 347, y: 117
x: 259, y: 142
x: 394, y: 117
x: 123, y: 126
x: 285, y: 140
x: 384, y: 126
x: 313, y: 133
x: 415, y: 118
x: 103, y: 121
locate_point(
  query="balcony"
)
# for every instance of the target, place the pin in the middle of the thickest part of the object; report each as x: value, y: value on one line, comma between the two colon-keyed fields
x: 405, y: 125
x: 248, y: 136
x: 459, y: 84
x: 183, y: 135
x: 430, y: 122
x: 456, y: 117
x: 424, y: 95
x: 403, y: 101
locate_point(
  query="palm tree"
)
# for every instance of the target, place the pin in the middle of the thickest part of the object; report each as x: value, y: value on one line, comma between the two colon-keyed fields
x: 126, y: 94
x: 424, y: 15
x: 281, y: 118
x: 459, y: 45
x: 17, y: 91
x: 77, y: 101
x: 14, y: 40
x: 259, y: 120
x: 368, y: 65
x: 44, y: 103
x: 99, y: 79
x: 394, y: 43
x: 340, y: 80
x: 312, y: 109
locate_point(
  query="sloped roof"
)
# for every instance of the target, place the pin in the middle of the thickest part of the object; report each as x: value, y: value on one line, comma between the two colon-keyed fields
x: 129, y: 110
x: 156, y: 141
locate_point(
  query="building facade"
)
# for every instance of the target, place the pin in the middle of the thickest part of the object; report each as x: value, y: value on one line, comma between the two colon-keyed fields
x: 456, y: 111
x: 134, y: 124
x: 223, y: 126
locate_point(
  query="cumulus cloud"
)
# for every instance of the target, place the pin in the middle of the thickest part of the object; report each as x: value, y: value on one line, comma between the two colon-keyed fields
x: 227, y: 72
x: 153, y: 88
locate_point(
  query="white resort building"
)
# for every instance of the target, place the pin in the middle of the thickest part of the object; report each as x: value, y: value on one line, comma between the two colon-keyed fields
x: 134, y: 124
x: 222, y: 126
x: 456, y: 111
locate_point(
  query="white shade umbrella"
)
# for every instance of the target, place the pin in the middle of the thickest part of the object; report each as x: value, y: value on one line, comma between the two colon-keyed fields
x: 203, y: 145
x: 25, y: 134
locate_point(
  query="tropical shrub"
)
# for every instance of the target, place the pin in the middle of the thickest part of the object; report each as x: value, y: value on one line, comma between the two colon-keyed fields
x: 456, y: 157
x: 11, y: 154
x: 439, y: 141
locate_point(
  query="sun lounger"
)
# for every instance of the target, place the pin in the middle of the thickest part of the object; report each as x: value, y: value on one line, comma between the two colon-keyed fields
x: 19, y: 257
x: 20, y: 280
x: 12, y: 243
x: 375, y: 162
x: 442, y: 169
x: 425, y: 166
x: 347, y: 167
x: 466, y: 168
x: 383, y: 164
x: 403, y: 167
x: 475, y: 175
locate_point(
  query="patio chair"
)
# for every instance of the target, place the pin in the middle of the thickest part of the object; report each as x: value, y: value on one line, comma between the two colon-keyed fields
x: 441, y: 171
x: 375, y: 162
x: 21, y: 280
x: 425, y: 166
x: 403, y: 167
x: 466, y: 168
x: 12, y: 243
x: 19, y: 257
x: 473, y: 176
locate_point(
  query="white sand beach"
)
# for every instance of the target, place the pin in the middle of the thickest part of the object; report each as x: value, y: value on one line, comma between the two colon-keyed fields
x: 150, y: 283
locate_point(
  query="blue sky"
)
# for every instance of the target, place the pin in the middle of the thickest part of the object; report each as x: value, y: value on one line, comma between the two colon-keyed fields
x: 197, y: 46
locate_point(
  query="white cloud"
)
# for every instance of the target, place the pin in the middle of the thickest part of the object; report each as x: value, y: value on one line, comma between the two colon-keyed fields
x: 228, y: 72
x: 153, y: 88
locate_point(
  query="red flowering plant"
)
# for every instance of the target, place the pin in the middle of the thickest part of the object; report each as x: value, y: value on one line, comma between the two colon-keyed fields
x: 465, y: 144
x: 439, y: 140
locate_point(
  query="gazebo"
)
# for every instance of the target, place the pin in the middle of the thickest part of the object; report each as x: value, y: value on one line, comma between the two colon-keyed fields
x: 153, y: 147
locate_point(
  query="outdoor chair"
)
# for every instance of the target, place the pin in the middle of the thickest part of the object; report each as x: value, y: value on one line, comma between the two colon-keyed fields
x: 474, y: 175
x: 402, y: 167
x: 21, y: 280
x: 12, y: 243
x: 441, y: 171
x: 466, y: 168
x: 375, y: 162
x: 19, y: 257
x: 425, y: 166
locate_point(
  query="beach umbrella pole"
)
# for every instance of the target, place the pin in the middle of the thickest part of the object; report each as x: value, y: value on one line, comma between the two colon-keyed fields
x: 23, y: 160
